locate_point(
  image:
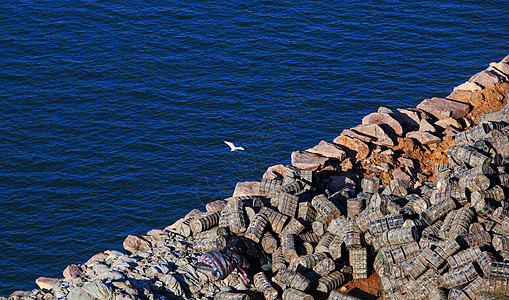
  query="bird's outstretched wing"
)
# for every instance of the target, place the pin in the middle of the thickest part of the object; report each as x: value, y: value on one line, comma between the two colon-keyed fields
x: 232, y: 146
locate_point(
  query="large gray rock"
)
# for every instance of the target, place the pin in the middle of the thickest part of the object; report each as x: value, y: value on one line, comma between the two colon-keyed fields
x: 308, y: 161
x: 427, y: 126
x: 375, y: 131
x: 328, y: 150
x: 383, y: 119
x: 444, y: 108
x: 425, y: 138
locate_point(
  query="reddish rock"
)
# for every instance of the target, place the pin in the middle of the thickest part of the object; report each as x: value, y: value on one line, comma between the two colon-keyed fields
x: 382, y: 109
x: 383, y: 118
x: 427, y: 126
x: 246, y: 188
x: 214, y: 206
x: 487, y: 78
x: 134, y: 243
x: 400, y: 174
x: 425, y: 138
x: 46, y: 283
x: 375, y: 131
x: 443, y: 108
x: 501, y: 67
x: 327, y: 149
x: 308, y: 161
x: 99, y: 256
x: 357, y: 135
x: 19, y: 294
x: 346, y: 165
x: 361, y: 149
x: 72, y: 271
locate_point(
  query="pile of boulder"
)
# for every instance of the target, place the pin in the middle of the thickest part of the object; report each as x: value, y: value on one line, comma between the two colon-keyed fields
x: 415, y: 196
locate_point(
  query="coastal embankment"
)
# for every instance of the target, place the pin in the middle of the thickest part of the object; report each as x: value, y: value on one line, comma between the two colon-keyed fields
x: 410, y: 204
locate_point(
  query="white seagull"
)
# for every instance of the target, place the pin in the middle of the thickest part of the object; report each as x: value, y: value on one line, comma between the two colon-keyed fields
x: 232, y: 146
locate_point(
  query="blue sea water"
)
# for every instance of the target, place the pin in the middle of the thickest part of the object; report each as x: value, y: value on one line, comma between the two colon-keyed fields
x: 113, y: 114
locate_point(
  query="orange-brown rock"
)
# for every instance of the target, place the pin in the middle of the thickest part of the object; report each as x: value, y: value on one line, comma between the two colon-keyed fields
x: 359, y: 147
x: 134, y: 243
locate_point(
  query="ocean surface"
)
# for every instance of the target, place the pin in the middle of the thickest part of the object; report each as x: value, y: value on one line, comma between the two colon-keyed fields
x: 113, y: 113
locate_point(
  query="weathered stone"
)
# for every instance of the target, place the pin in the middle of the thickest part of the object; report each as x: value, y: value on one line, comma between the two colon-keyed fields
x: 425, y: 138
x: 72, y: 271
x: 194, y: 213
x: 427, y: 126
x: 409, y: 118
x: 385, y: 110
x: 327, y: 149
x: 97, y: 290
x: 501, y: 68
x: 246, y: 188
x: 487, y: 78
x: 400, y: 174
x: 20, y: 294
x: 134, y: 243
x: 308, y: 161
x: 443, y: 123
x: 346, y: 164
x: 383, y: 119
x: 356, y: 135
x: 406, y: 162
x: 443, y: 108
x: 46, y: 283
x: 468, y: 86
x: 375, y: 131
x: 99, y: 256
x: 361, y: 149
x: 214, y: 206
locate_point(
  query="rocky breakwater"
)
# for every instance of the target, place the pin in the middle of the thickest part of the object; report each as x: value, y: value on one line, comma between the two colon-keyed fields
x: 410, y: 204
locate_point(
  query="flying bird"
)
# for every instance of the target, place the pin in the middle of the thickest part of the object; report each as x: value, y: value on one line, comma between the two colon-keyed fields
x: 232, y: 146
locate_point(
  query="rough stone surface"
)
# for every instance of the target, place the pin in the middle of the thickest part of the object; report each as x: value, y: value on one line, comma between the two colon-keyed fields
x: 194, y: 213
x: 308, y: 161
x: 425, y: 138
x: 72, y: 271
x: 443, y: 123
x: 502, y: 68
x: 328, y: 150
x: 427, y: 126
x: 385, y: 110
x: 46, y: 283
x: 400, y: 174
x: 214, y: 206
x: 247, y: 188
x: 98, y: 256
x: 19, y: 294
x: 356, y: 135
x: 361, y: 149
x: 406, y: 162
x: 468, y: 86
x: 383, y: 119
x: 487, y: 78
x: 443, y: 108
x: 408, y: 118
x: 134, y: 243
x: 375, y: 131
x: 275, y: 171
